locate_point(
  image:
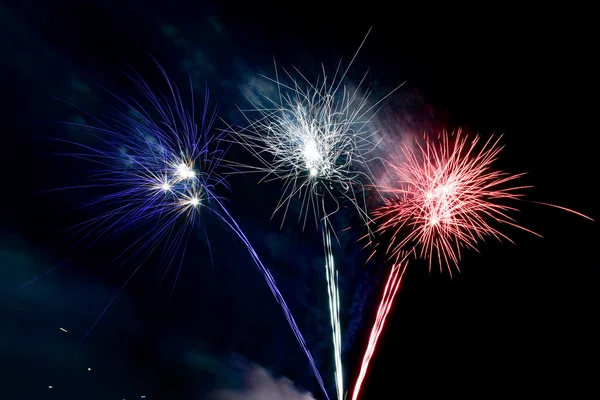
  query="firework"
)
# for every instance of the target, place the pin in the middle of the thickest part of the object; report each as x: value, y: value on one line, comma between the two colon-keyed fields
x: 156, y: 167
x: 160, y: 171
x: 448, y: 196
x: 315, y: 138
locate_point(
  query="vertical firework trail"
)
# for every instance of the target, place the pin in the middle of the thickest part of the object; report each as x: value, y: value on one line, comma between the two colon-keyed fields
x: 333, y: 293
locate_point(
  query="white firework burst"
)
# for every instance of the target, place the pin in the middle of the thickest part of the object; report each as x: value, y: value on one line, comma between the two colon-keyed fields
x: 316, y: 138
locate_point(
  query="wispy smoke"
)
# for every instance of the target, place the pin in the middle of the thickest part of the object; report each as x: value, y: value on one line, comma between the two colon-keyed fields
x: 262, y: 386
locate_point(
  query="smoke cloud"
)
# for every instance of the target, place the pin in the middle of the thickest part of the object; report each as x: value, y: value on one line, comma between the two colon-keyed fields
x: 260, y: 385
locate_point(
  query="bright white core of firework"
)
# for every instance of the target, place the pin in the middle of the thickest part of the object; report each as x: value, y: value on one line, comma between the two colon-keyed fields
x: 185, y: 172
x: 312, y: 157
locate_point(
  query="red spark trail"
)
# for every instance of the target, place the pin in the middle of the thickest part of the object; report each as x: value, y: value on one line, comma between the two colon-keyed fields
x: 389, y: 293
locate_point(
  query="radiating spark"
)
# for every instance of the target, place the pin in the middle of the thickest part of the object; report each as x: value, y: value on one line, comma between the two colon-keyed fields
x: 160, y: 169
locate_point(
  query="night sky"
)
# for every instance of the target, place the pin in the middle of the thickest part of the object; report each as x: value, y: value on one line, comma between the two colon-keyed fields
x: 518, y: 319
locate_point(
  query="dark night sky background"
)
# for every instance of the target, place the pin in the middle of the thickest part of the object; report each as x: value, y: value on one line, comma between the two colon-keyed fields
x: 519, y: 319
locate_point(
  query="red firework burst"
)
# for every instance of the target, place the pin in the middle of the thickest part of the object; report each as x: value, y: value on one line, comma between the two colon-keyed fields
x: 448, y: 197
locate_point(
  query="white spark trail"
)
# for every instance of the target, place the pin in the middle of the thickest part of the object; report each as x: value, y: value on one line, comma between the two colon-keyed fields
x: 334, y: 307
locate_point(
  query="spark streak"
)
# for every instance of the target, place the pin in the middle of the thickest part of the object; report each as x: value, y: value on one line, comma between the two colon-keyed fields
x: 334, y: 307
x: 389, y: 294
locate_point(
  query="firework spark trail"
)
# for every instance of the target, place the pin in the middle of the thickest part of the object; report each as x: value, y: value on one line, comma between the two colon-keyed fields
x: 315, y: 138
x: 447, y: 197
x: 389, y: 294
x: 228, y: 219
x: 333, y: 293
x: 160, y: 173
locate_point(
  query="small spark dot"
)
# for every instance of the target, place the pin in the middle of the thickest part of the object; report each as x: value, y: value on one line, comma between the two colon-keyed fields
x: 89, y: 369
x: 50, y: 387
x: 63, y: 329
